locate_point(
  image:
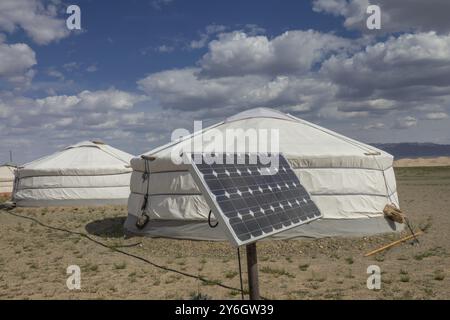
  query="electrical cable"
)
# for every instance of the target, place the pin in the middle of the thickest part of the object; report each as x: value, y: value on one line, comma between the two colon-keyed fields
x: 411, y: 230
x: 114, y: 248
x: 209, y: 221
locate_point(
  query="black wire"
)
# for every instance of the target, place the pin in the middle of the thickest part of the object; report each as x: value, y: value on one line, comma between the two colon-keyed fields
x: 124, y: 252
x: 209, y: 220
x: 411, y: 230
x: 128, y: 245
x: 146, y: 176
x: 240, y: 273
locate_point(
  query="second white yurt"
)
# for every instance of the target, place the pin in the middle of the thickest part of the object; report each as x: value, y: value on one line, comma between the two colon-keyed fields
x: 350, y: 182
x: 86, y: 173
x: 6, y: 179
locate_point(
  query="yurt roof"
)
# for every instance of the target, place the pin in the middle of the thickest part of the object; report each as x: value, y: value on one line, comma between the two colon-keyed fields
x: 7, y: 172
x: 260, y: 113
x: 86, y: 157
x: 297, y: 139
x: 8, y: 164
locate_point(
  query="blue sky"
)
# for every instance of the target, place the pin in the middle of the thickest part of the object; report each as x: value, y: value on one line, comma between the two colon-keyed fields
x: 140, y: 69
x: 121, y: 38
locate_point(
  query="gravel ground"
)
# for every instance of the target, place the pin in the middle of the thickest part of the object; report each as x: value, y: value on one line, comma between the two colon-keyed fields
x: 34, y: 258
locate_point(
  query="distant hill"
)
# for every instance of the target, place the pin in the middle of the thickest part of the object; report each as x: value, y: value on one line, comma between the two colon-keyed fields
x: 414, y: 150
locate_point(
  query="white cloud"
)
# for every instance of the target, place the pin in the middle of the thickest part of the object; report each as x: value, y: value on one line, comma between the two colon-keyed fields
x: 108, y: 99
x: 398, y: 15
x: 72, y: 66
x: 206, y: 35
x: 185, y: 89
x: 409, y: 68
x: 100, y: 102
x: 436, y: 116
x: 295, y: 51
x: 66, y: 119
x: 333, y: 81
x: 374, y: 126
x: 40, y: 22
x: 56, y: 104
x: 165, y: 48
x: 92, y: 68
x: 405, y: 122
x: 319, y: 75
x: 16, y: 61
x: 159, y: 4
x: 253, y: 29
x: 55, y: 74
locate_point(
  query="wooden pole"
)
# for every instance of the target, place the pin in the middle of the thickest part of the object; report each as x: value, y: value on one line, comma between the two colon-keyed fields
x: 393, y: 243
x: 252, y: 267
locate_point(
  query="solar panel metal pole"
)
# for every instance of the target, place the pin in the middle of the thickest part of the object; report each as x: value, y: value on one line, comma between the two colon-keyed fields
x: 252, y: 267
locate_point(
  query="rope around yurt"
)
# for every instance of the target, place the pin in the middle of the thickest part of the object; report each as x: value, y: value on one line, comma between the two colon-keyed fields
x: 142, y: 221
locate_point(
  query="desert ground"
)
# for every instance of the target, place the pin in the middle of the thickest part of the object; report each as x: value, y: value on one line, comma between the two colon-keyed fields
x: 34, y: 259
x: 423, y: 162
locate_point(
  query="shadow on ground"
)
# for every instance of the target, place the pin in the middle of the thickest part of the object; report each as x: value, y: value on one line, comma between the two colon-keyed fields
x: 107, y: 228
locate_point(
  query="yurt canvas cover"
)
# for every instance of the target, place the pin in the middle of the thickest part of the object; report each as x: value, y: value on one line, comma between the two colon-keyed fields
x: 86, y: 173
x: 349, y: 181
x: 6, y: 179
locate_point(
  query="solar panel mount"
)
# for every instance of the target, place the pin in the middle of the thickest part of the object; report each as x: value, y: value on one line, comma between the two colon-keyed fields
x: 251, y: 197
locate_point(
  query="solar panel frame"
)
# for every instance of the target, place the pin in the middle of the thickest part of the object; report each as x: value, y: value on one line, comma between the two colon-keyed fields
x: 225, y: 218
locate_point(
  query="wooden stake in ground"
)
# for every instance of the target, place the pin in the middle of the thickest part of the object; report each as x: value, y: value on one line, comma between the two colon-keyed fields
x: 390, y: 245
x: 252, y: 267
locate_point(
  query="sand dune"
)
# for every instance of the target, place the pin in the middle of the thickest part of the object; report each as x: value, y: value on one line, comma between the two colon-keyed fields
x: 422, y: 162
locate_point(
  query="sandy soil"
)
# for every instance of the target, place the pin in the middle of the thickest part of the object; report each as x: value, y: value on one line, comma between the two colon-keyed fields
x: 422, y: 162
x: 34, y: 259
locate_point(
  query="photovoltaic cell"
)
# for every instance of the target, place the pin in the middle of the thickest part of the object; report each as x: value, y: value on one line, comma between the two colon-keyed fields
x: 253, y: 198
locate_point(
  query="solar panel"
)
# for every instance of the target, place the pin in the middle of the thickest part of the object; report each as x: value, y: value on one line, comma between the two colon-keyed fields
x: 252, y: 198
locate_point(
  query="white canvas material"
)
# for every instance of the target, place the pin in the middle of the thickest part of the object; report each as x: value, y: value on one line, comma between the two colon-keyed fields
x: 86, y: 173
x: 349, y: 181
x: 6, y: 179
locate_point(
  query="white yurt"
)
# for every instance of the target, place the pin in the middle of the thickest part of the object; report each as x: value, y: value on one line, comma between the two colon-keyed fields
x: 6, y: 179
x: 86, y: 173
x: 350, y: 182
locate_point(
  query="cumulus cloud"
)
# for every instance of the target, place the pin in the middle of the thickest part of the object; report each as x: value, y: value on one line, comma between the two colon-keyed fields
x: 237, y: 53
x: 319, y: 75
x: 110, y: 99
x: 39, y: 21
x: 405, y: 122
x: 186, y: 89
x: 16, y: 61
x: 374, y: 126
x: 65, y: 119
x: 398, y: 15
x: 436, y: 116
x: 407, y: 69
x: 366, y: 85
x: 55, y: 104
x: 244, y: 71
x: 206, y: 35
